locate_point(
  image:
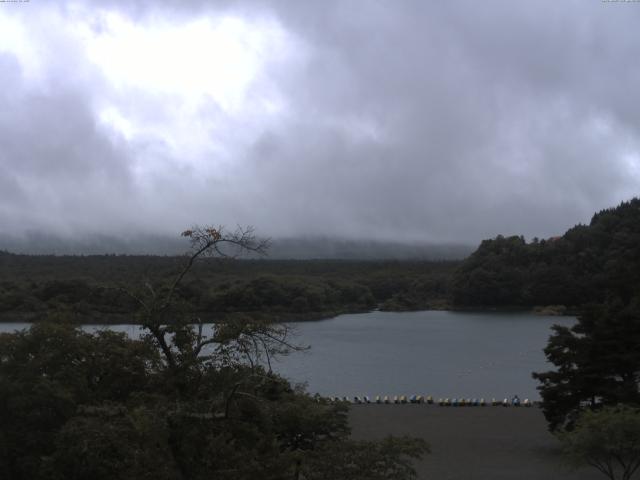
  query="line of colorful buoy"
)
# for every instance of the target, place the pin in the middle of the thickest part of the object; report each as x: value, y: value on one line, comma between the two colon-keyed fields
x: 443, y: 402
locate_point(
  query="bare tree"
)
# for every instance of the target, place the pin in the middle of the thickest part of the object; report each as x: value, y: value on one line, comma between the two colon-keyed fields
x: 181, y: 338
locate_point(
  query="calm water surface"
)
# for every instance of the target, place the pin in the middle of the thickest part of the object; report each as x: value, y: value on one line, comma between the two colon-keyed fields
x: 448, y: 354
x: 444, y: 354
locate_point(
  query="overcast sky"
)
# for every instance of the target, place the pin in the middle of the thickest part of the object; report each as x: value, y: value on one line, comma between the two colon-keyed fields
x: 419, y: 121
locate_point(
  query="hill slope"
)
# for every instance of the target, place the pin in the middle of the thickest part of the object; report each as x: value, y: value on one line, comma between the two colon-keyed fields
x: 589, y: 263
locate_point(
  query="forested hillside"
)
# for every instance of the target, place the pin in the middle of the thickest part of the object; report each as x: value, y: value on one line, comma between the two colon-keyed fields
x: 94, y: 288
x: 589, y: 263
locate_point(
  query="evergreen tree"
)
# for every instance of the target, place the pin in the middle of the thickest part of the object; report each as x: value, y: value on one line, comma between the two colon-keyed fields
x: 597, y: 360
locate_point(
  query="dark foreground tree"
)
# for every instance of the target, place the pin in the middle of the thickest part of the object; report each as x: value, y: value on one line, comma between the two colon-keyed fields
x: 185, y: 401
x: 597, y: 363
x: 607, y: 439
x: 386, y: 459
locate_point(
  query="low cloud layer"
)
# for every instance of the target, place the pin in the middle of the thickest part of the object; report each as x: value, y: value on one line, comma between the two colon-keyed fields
x: 407, y: 121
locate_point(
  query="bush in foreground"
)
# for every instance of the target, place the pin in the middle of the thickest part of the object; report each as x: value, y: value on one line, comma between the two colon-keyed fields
x: 607, y: 439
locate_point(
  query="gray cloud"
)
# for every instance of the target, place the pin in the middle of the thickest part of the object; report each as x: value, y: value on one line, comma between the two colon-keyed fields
x: 413, y: 121
x: 56, y: 162
x: 508, y: 119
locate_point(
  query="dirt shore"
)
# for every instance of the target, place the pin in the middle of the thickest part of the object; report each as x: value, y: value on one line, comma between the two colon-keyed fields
x: 472, y: 443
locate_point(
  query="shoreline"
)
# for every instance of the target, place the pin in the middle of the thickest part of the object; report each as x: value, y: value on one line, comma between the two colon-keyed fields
x: 472, y: 443
x: 284, y: 317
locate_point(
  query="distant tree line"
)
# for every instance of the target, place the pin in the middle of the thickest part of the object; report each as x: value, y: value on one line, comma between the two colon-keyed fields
x: 589, y: 263
x: 90, y: 288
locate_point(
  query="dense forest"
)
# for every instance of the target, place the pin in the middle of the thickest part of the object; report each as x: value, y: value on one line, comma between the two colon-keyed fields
x: 589, y: 263
x: 94, y: 288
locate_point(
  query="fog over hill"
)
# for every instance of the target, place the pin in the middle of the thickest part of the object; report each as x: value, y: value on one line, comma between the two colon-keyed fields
x: 410, y: 121
x: 280, y: 248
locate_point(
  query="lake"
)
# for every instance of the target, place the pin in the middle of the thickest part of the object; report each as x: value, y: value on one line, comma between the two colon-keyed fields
x: 439, y: 353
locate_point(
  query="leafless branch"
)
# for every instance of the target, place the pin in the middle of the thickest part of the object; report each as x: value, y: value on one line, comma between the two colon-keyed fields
x: 208, y: 241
